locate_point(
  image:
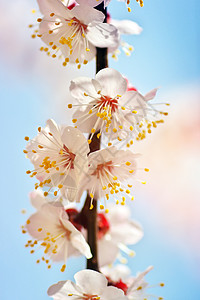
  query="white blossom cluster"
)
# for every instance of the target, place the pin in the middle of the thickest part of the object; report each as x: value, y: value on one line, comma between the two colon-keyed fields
x: 114, y: 114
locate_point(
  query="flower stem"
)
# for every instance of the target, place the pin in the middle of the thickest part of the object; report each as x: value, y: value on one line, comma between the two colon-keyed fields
x: 88, y: 216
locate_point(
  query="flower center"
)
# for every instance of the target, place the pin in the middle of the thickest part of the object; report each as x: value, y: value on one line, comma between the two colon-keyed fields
x: 101, y: 168
x: 91, y: 297
x: 67, y: 157
x: 106, y: 101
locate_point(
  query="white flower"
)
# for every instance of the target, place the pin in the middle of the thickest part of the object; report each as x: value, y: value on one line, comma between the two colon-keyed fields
x: 126, y: 27
x: 108, y: 169
x: 76, y: 32
x: 51, y: 228
x: 90, y: 285
x: 116, y: 232
x: 151, y: 115
x: 135, y: 288
x: 59, y: 156
x: 105, y: 104
x: 138, y: 287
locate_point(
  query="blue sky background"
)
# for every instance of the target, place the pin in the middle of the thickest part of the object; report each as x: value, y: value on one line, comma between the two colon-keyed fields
x: 166, y: 55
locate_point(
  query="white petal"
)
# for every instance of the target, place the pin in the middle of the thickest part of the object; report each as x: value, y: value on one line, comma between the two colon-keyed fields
x: 92, y: 3
x: 53, y: 289
x: 75, y: 141
x: 107, y: 252
x: 150, y: 95
x: 127, y: 26
x: 103, y: 35
x: 128, y: 233
x: 46, y: 218
x: 61, y: 290
x: 54, y: 6
x: 112, y: 82
x: 79, y: 242
x: 86, y: 14
x: 117, y: 272
x: 82, y: 85
x: 91, y: 282
x: 88, y: 124
x: 37, y: 199
x: 113, y: 293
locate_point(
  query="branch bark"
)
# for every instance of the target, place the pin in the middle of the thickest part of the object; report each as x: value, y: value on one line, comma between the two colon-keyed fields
x: 88, y: 217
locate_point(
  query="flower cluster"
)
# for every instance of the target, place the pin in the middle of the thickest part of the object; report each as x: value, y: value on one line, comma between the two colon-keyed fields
x: 66, y: 164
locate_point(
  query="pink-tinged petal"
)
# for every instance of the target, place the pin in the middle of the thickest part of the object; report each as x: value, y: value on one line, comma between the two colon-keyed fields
x: 79, y: 51
x: 53, y: 6
x: 53, y: 128
x: 103, y: 35
x: 92, y: 3
x: 79, y: 242
x: 150, y: 95
x: 37, y: 199
x: 128, y: 233
x: 117, y: 272
x: 91, y: 282
x: 107, y: 252
x: 88, y: 123
x: 118, y: 214
x: 54, y: 289
x: 106, y: 2
x: 81, y: 85
x: 47, y: 218
x: 136, y: 102
x: 87, y: 14
x: 127, y: 26
x: 61, y: 290
x: 113, y: 293
x: 76, y: 238
x: 112, y: 82
x: 75, y: 141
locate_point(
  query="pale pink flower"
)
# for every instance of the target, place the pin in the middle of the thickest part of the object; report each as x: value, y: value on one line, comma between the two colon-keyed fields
x: 108, y: 169
x: 59, y: 156
x: 75, y: 32
x: 50, y: 227
x: 135, y: 288
x: 90, y: 285
x: 106, y: 106
x: 116, y: 231
x: 125, y: 27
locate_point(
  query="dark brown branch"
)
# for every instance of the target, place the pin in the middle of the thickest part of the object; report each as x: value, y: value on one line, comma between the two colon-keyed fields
x: 88, y: 217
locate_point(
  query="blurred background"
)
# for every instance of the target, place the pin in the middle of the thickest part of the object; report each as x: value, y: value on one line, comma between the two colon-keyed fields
x: 34, y: 87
